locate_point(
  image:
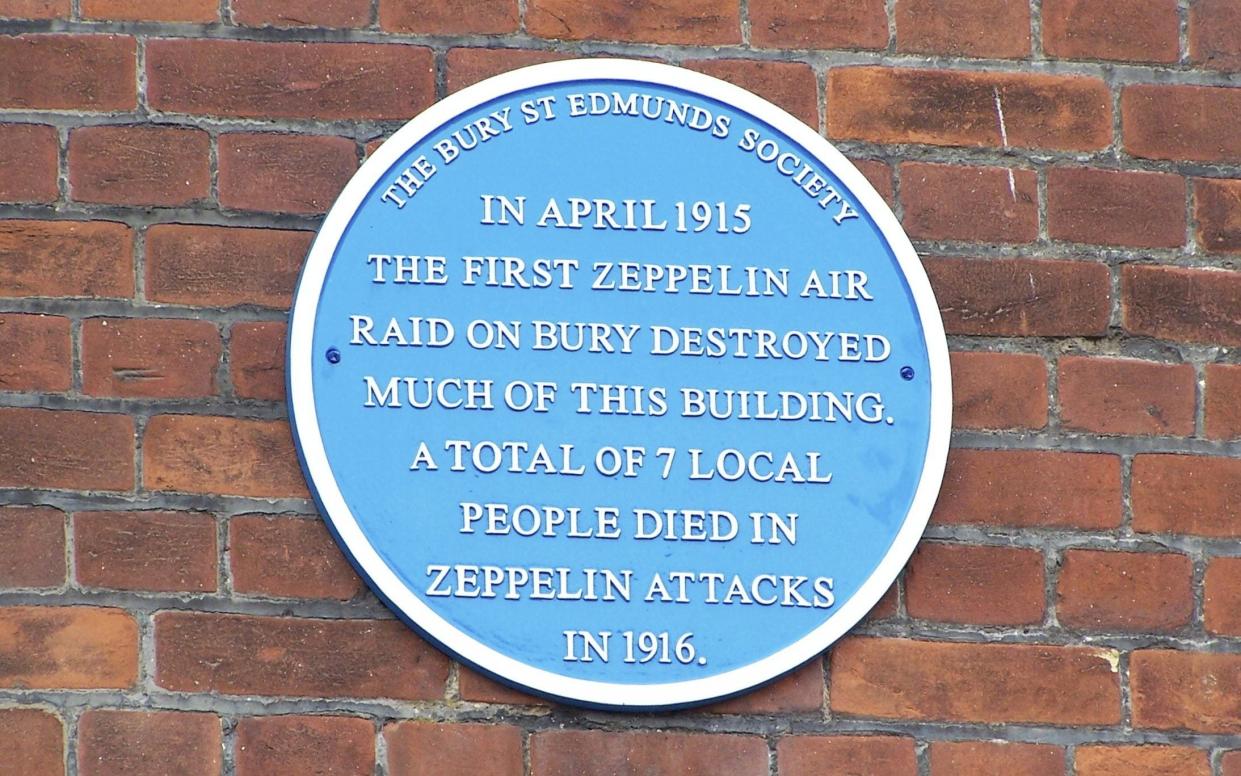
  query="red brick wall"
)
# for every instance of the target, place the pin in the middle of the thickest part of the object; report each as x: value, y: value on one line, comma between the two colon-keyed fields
x: 169, y: 603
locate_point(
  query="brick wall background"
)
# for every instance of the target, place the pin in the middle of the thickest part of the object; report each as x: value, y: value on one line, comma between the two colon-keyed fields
x: 169, y: 602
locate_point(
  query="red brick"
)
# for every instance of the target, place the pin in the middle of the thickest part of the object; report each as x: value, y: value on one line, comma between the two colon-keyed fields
x: 321, y: 81
x: 1187, y: 494
x: 473, y: 686
x: 1146, y: 760
x: 218, y: 266
x: 1127, y: 396
x: 690, y: 22
x: 148, y: 743
x: 975, y: 585
x: 959, y: 108
x: 1222, y: 600
x: 1024, y: 488
x: 1181, y: 123
x: 1125, y: 591
x: 1186, y: 691
x: 1215, y: 34
x: 791, y: 85
x: 324, y: 746
x: 67, y: 648
x: 468, y: 66
x: 1231, y: 764
x: 879, y: 174
x: 33, y: 743
x: 846, y: 755
x: 149, y: 357
x: 302, y: 13
x: 29, y: 161
x: 66, y: 258
x: 448, y: 749
x: 284, y: 173
x: 139, y: 165
x: 220, y: 455
x: 62, y: 449
x: 288, y: 558
x: 237, y: 654
x: 574, y: 752
x: 988, y: 683
x: 968, y: 28
x: 887, y: 606
x: 1177, y: 303
x: 799, y: 692
x: 34, y: 9
x: 1223, y: 401
x: 68, y: 72
x: 983, y: 204
x: 999, y: 390
x: 32, y: 547
x: 995, y: 758
x: 158, y: 551
x: 256, y: 358
x: 34, y: 352
x: 849, y: 24
x: 1125, y: 30
x: 203, y: 11
x: 1021, y: 297
x: 449, y: 17
x: 1111, y: 207
x: 1217, y: 209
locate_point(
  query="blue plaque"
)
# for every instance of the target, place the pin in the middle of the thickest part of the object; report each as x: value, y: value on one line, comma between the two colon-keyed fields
x: 619, y: 384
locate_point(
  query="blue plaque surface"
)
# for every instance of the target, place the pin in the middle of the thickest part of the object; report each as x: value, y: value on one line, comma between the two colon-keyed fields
x: 619, y: 384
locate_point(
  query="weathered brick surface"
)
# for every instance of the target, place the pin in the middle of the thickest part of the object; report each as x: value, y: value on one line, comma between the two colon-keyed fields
x: 1215, y: 34
x: 844, y: 755
x: 245, y: 655
x: 1101, y: 760
x: 982, y: 758
x: 799, y: 692
x: 1127, y: 591
x: 1127, y: 396
x: 152, y: 10
x: 28, y: 163
x: 68, y: 72
x: 288, y: 558
x: 1165, y: 121
x: 149, y: 357
x: 283, y: 173
x: 65, y: 258
x: 999, y: 390
x: 67, y: 647
x: 34, y: 9
x: 289, y: 80
x: 139, y: 165
x: 32, y: 547
x: 572, y: 752
x: 1126, y: 30
x: 1186, y: 690
x: 1187, y: 494
x: 160, y: 551
x: 1021, y: 297
x: 66, y: 449
x: 959, y: 108
x: 976, y: 585
x: 1030, y: 488
x: 1222, y: 596
x: 790, y: 85
x: 34, y: 353
x: 693, y: 22
x: 1217, y: 208
x: 850, y: 24
x: 1138, y: 209
x: 468, y: 66
x: 991, y: 683
x: 1191, y: 305
x: 453, y: 17
x: 256, y: 358
x: 223, y: 266
x: 238, y: 456
x: 330, y: 746
x: 302, y: 13
x: 431, y: 749
x: 980, y: 204
x: 968, y: 28
x: 147, y: 743
x: 32, y: 744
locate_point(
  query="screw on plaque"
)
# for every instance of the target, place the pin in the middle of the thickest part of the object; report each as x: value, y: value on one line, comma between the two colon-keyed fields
x: 333, y: 356
x: 907, y: 372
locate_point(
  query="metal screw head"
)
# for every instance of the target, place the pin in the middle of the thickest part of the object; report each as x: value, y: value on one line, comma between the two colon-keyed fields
x: 907, y: 372
x: 333, y: 356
